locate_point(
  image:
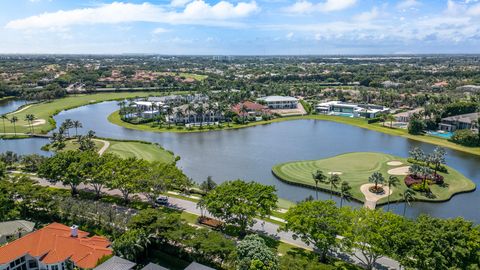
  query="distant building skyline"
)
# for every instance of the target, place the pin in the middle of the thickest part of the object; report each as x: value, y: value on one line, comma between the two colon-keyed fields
x: 240, y: 27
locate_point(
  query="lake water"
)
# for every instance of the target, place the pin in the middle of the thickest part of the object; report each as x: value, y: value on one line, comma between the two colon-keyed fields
x: 7, y: 106
x: 250, y: 153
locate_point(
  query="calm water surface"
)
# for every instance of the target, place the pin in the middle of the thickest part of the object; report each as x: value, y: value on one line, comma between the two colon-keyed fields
x: 250, y: 153
x: 7, y: 106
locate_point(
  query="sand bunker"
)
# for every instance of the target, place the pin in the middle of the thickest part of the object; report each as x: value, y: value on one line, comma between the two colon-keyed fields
x: 336, y: 173
x: 399, y: 171
x: 37, y: 122
x: 394, y: 163
x: 372, y: 198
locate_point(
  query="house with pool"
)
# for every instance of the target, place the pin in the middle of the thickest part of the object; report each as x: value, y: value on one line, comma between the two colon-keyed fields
x: 464, y: 121
x: 339, y: 108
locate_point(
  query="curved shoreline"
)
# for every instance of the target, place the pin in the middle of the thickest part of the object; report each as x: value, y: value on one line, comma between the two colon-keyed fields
x: 358, y: 122
x: 447, y: 197
x: 114, y: 118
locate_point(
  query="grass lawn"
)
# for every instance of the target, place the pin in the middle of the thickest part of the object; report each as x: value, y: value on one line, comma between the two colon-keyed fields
x: 45, y: 110
x: 126, y: 149
x: 357, y: 167
x: 141, y: 150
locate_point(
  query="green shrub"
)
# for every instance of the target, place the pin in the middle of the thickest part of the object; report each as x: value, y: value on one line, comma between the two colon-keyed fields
x: 465, y: 137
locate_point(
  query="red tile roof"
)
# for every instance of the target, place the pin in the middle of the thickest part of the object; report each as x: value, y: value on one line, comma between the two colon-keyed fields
x: 251, y: 106
x: 56, y: 245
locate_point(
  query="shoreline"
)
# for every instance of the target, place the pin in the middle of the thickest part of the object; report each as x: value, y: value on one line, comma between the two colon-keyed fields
x: 114, y: 118
x: 448, y: 197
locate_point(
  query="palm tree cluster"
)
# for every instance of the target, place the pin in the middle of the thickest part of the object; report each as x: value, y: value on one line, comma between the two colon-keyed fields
x: 334, y: 181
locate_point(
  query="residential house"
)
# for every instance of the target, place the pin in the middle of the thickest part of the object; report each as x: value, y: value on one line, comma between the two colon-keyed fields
x: 248, y: 108
x: 14, y: 229
x: 280, y: 102
x: 198, y: 266
x: 464, y: 121
x: 54, y: 247
x: 405, y: 117
x: 191, y: 114
x: 116, y: 263
x: 339, y: 108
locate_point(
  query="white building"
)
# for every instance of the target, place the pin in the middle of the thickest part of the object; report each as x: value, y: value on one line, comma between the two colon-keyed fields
x: 280, y: 102
x: 340, y: 108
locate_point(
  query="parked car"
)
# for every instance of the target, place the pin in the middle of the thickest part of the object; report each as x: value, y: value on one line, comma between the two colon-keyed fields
x: 162, y: 200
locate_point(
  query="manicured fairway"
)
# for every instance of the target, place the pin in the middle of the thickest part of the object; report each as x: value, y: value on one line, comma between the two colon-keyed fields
x: 147, y: 151
x: 126, y: 149
x: 355, y: 168
x: 45, y: 110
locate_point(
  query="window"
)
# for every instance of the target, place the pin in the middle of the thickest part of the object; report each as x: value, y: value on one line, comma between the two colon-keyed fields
x: 32, y: 264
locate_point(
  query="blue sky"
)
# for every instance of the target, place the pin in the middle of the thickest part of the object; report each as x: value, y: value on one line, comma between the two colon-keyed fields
x: 239, y: 27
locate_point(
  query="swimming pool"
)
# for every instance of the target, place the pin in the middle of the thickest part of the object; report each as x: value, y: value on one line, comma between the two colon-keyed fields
x: 343, y: 114
x: 441, y: 134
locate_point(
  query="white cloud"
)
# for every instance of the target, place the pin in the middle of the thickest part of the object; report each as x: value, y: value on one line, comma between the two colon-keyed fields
x: 197, y: 12
x: 289, y: 36
x: 179, y: 3
x: 368, y: 15
x: 474, y: 10
x: 159, y: 30
x: 304, y: 6
x: 407, y: 4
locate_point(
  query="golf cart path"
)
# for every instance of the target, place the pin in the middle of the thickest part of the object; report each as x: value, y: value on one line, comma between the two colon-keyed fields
x: 106, y: 145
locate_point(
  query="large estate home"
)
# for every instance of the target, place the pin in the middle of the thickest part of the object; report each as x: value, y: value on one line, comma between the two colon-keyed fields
x: 195, y: 113
x: 340, y: 108
x: 464, y: 121
x: 248, y: 108
x: 405, y: 117
x: 54, y: 247
x: 280, y: 102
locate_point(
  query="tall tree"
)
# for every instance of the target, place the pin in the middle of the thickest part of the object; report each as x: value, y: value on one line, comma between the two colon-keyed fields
x: 253, y: 253
x: 333, y: 181
x: 76, y: 124
x: 408, y: 197
x: 239, y: 202
x: 14, y: 120
x: 345, y: 192
x: 4, y: 117
x: 316, y: 223
x: 318, y: 177
x: 391, y: 182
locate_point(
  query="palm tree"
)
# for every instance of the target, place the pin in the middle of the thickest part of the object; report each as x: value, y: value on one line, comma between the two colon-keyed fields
x: 391, y: 182
x: 345, y: 193
x: 67, y: 124
x: 30, y: 118
x: 200, y: 111
x: 377, y: 178
x: 4, y: 117
x: 408, y: 196
x: 190, y: 109
x: 318, y: 177
x: 77, y: 124
x: 243, y: 112
x: 14, y: 120
x: 333, y: 180
x: 169, y: 112
x: 390, y: 118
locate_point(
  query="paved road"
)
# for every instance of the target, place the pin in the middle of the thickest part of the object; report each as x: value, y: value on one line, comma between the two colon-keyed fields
x: 260, y: 226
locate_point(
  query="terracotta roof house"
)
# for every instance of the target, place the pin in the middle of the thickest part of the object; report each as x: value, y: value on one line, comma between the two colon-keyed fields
x: 54, y: 247
x: 252, y: 108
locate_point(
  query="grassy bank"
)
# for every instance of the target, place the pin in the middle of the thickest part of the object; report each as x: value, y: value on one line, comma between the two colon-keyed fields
x: 355, y: 168
x: 125, y: 149
x: 45, y: 110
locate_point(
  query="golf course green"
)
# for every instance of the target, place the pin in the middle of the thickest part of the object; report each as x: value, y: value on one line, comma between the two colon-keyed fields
x: 355, y: 168
x: 126, y: 149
